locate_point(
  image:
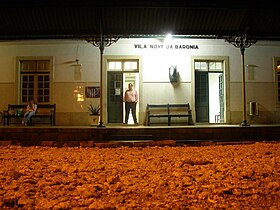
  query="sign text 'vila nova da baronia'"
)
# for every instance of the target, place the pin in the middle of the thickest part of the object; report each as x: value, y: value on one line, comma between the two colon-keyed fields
x: 168, y: 46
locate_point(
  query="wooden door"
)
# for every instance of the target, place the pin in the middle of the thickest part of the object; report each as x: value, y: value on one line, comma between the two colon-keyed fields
x: 201, y: 96
x: 115, y: 97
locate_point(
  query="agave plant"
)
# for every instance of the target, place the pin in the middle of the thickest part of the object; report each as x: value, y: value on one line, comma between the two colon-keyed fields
x: 94, y: 110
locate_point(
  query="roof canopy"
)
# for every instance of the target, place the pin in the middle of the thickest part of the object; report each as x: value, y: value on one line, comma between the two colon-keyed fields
x: 49, y: 19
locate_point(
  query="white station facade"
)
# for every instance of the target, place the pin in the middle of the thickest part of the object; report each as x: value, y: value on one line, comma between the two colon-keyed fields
x: 208, y: 76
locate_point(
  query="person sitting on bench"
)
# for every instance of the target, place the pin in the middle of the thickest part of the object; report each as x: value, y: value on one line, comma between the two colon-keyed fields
x: 29, y: 112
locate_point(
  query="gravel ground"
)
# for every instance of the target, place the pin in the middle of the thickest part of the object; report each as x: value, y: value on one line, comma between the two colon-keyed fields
x: 208, y: 177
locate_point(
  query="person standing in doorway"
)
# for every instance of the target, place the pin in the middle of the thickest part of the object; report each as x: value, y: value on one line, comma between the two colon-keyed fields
x: 130, y: 99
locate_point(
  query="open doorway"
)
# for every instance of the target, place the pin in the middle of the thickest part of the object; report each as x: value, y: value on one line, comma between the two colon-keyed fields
x: 119, y: 74
x: 209, y: 92
x: 134, y: 79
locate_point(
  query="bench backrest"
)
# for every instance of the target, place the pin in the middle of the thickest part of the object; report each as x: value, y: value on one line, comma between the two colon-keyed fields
x: 12, y: 106
x: 46, y: 109
x: 179, y: 108
x: 41, y: 108
x: 157, y: 108
x: 168, y: 108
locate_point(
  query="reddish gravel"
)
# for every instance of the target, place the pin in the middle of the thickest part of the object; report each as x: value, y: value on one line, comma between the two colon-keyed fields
x: 208, y: 177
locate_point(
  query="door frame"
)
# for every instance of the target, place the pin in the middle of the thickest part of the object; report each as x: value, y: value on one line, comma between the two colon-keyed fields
x: 105, y: 60
x: 225, y: 60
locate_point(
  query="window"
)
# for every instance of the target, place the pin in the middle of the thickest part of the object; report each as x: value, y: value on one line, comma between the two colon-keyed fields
x: 123, y: 65
x: 115, y: 65
x: 35, y: 81
x: 201, y: 65
x: 213, y: 66
x: 130, y: 65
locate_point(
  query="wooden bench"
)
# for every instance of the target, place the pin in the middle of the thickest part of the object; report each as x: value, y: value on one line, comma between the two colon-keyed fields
x: 14, y: 114
x: 169, y: 111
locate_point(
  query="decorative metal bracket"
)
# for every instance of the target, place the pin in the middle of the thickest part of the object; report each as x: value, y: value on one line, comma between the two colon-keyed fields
x: 240, y: 42
x: 103, y: 41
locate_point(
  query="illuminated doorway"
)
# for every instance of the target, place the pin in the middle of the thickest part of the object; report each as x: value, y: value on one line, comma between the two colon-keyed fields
x: 209, y: 92
x: 134, y: 79
x: 119, y: 74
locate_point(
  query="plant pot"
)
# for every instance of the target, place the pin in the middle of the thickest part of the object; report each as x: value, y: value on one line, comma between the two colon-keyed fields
x: 94, y: 119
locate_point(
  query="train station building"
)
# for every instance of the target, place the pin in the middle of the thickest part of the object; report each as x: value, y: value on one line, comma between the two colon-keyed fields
x: 215, y: 73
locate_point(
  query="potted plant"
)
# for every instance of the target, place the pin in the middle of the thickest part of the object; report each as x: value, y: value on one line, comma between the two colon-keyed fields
x: 94, y: 114
x: 94, y: 110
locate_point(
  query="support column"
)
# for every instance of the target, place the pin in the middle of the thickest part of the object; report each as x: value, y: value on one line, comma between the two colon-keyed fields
x: 101, y: 48
x: 244, y: 114
x: 102, y: 42
x: 242, y: 42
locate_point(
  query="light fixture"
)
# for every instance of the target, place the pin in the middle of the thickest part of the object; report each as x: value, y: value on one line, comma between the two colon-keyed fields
x: 168, y: 38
